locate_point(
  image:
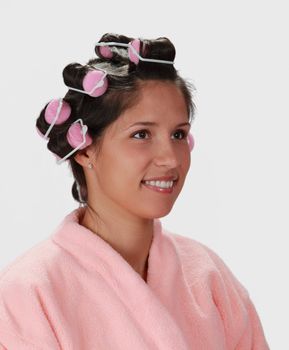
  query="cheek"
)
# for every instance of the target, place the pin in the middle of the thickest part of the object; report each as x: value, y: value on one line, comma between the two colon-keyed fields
x: 129, y: 164
x: 134, y: 158
x: 141, y: 156
x: 186, y: 156
x: 122, y: 168
x: 186, y: 166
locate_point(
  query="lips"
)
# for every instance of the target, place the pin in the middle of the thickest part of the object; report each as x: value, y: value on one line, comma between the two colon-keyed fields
x: 160, y: 190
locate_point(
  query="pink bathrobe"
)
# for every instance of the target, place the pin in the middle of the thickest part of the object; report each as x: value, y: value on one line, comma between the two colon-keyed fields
x: 73, y: 291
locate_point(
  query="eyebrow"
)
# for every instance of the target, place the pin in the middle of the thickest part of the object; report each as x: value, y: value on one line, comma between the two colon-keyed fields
x: 155, y: 124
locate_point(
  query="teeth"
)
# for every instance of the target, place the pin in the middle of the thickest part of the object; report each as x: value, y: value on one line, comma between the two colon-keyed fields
x: 162, y: 184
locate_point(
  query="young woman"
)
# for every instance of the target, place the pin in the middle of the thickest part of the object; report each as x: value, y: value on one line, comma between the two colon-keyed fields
x: 110, y: 276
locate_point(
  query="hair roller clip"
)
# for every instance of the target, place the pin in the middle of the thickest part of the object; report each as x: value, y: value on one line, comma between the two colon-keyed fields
x: 191, y: 141
x: 56, y: 112
x: 94, y: 83
x: 77, y: 137
x: 133, y: 51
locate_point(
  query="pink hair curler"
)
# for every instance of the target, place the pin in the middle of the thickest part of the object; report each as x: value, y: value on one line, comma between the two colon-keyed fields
x: 76, y: 134
x: 191, y: 141
x: 134, y: 54
x: 94, y: 83
x: 77, y: 137
x: 105, y: 51
x: 52, y: 110
x: 56, y: 112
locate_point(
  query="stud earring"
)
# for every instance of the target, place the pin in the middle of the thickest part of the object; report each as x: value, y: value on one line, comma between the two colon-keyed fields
x: 90, y: 165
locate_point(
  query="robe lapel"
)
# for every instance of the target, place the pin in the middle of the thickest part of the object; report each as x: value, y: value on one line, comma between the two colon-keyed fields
x: 142, y: 300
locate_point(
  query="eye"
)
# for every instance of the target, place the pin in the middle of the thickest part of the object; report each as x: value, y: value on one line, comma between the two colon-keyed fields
x: 144, y: 131
x: 140, y: 132
x: 185, y: 133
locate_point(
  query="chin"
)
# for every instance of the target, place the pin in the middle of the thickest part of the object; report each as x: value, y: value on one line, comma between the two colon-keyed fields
x: 155, y: 213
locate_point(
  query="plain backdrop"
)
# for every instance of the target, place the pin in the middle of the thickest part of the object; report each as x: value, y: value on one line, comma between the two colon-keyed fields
x: 235, y: 198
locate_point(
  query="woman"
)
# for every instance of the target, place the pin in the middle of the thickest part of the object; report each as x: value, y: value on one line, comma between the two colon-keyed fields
x: 110, y: 276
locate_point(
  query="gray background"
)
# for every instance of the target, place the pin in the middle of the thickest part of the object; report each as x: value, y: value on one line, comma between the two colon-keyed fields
x: 235, y: 199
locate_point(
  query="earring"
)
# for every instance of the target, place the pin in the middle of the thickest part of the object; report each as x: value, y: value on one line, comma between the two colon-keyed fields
x: 90, y: 165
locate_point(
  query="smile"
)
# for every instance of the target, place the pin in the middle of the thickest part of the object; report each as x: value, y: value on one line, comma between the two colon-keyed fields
x: 160, y: 186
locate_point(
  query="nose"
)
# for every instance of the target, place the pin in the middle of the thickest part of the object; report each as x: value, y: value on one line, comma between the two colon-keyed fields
x: 167, y: 154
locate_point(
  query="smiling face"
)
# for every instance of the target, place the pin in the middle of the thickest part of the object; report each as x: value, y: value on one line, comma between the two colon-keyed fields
x: 131, y: 153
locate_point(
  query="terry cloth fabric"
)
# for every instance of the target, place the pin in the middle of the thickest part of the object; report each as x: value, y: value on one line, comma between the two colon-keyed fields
x: 73, y: 291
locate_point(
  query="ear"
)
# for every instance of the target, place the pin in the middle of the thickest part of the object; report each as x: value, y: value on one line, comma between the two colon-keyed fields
x: 83, y: 157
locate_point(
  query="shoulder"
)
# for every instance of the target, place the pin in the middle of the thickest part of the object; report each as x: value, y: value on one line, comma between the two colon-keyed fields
x: 37, y: 264
x: 201, y: 264
x: 31, y: 266
x: 24, y: 284
x: 209, y: 278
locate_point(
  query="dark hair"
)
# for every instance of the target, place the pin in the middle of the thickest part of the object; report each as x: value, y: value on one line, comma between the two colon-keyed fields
x: 124, y: 82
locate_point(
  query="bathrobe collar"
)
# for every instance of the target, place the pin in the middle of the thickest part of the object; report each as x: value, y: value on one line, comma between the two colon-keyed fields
x: 95, y: 253
x: 154, y: 298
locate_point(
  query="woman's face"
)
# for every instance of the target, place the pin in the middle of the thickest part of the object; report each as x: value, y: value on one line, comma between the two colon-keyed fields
x: 131, y: 153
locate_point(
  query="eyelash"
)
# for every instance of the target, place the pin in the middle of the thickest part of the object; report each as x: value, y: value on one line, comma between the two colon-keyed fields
x: 144, y: 130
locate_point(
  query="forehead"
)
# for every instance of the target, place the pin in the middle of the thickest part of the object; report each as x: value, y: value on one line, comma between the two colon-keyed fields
x: 159, y: 102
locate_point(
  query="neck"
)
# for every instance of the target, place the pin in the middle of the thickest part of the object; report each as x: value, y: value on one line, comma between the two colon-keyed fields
x: 131, y: 239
